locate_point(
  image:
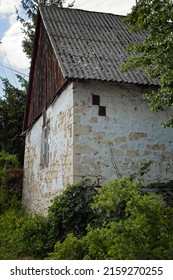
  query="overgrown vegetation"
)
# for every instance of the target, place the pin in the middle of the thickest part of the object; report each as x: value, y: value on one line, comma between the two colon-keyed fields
x: 71, y: 212
x: 116, y: 221
x: 132, y: 225
x: 26, y: 236
x: 21, y: 235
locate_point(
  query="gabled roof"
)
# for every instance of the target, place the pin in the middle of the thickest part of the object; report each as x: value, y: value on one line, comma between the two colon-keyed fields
x: 91, y: 45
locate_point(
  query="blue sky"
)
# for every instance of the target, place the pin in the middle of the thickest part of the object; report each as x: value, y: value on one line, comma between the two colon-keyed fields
x: 4, y: 26
x: 11, y: 54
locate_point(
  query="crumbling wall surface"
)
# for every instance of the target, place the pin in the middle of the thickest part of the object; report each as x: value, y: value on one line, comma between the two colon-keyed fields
x: 42, y: 181
x: 122, y: 121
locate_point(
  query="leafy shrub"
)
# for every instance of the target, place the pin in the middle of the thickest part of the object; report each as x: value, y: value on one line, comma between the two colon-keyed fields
x: 10, y: 184
x: 15, y: 182
x: 26, y: 236
x: 134, y: 225
x: 110, y: 202
x: 8, y: 160
x: 22, y: 235
x: 71, y: 249
x: 71, y: 212
x: 163, y: 188
x: 12, y: 245
x: 35, y: 231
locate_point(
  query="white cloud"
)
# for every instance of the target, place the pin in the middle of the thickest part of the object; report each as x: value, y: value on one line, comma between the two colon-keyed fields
x: 121, y: 7
x: 8, y: 7
x: 11, y: 52
x: 11, y: 48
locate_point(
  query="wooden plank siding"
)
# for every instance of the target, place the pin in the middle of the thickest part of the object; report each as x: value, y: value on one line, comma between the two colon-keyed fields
x: 46, y: 78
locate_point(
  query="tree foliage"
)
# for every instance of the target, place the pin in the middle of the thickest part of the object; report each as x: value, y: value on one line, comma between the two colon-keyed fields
x: 11, y: 118
x: 154, y: 54
x: 29, y: 21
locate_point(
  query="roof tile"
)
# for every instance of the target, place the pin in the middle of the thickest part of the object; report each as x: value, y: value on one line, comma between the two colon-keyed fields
x: 91, y: 45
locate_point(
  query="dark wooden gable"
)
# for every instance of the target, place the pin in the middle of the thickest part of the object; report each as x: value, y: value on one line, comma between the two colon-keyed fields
x: 46, y: 77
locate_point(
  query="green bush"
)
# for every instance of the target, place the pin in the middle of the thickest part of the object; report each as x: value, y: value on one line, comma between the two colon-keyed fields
x: 163, y: 188
x: 12, y: 245
x: 8, y: 160
x: 134, y: 225
x: 71, y: 212
x: 71, y: 249
x: 35, y: 231
x: 9, y: 191
x: 26, y: 236
x: 22, y: 235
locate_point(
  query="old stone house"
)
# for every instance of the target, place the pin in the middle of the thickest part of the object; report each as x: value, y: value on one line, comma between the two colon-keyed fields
x: 78, y: 101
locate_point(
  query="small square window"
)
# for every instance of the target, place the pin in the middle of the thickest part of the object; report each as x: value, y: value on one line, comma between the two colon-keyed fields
x: 95, y: 99
x: 102, y: 110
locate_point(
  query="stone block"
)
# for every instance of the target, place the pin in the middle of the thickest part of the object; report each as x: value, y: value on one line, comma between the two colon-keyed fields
x: 167, y: 155
x: 99, y: 135
x: 132, y: 153
x: 137, y: 135
x: 82, y: 149
x: 79, y: 170
x: 118, y: 152
x: 77, y: 119
x: 94, y: 119
x: 82, y: 130
x: 160, y: 147
x: 147, y: 153
x: 120, y: 140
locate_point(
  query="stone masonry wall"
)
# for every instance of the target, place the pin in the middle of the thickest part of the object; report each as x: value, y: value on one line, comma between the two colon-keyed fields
x: 134, y: 131
x: 83, y: 120
x: 43, y: 182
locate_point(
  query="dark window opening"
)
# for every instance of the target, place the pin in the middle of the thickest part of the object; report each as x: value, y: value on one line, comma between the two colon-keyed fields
x: 102, y: 110
x: 95, y: 99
